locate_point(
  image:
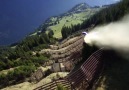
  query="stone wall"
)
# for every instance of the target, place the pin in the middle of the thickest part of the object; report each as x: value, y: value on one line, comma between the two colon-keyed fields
x: 62, y: 67
x: 37, y: 76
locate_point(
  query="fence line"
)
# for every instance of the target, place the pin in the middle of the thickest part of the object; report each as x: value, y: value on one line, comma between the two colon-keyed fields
x: 89, y: 70
x: 83, y: 78
x: 53, y: 85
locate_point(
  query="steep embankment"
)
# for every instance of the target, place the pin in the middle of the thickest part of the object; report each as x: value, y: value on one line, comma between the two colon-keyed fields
x: 64, y: 51
x: 60, y: 53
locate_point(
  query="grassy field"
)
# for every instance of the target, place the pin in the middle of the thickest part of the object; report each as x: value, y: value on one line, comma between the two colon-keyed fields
x: 69, y: 20
x: 56, y: 23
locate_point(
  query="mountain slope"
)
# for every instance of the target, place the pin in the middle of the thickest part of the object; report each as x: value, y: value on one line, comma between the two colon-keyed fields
x: 75, y: 16
x: 23, y: 54
x: 79, y: 7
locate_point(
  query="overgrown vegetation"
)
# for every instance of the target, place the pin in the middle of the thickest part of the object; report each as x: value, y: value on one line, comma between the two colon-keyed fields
x: 61, y: 87
x: 23, y: 59
x: 16, y: 76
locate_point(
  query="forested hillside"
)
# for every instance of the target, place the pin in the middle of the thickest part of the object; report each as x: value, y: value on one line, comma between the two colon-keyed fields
x: 19, y: 61
x: 23, y: 58
x: 106, y: 15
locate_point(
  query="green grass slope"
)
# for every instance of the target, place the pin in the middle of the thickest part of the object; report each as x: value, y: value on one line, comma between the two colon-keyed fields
x: 74, y: 16
x: 68, y: 20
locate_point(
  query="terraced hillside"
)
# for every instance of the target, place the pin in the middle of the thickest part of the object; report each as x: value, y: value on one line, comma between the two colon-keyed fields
x: 84, y: 77
x: 66, y: 50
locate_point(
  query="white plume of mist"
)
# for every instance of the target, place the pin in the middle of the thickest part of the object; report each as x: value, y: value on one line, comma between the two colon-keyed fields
x: 114, y: 35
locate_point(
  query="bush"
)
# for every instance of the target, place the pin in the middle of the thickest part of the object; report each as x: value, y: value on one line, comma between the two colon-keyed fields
x: 48, y: 72
x: 61, y: 87
x: 17, y: 75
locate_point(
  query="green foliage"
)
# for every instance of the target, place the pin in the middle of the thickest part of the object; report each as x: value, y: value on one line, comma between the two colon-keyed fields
x: 50, y: 34
x: 39, y: 47
x: 66, y: 31
x: 3, y: 80
x: 9, y: 64
x: 22, y: 51
x: 31, y: 42
x: 107, y: 15
x: 18, y: 74
x: 2, y: 65
x: 22, y: 72
x: 110, y: 14
x: 32, y: 60
x: 61, y: 87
